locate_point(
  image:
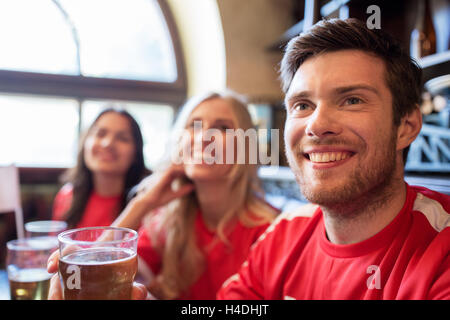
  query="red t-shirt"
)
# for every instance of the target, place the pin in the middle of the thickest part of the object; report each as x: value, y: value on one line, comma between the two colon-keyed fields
x: 221, y: 262
x: 408, y: 259
x: 99, y: 211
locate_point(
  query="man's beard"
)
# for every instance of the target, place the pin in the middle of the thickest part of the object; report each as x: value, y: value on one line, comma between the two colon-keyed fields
x: 364, y: 188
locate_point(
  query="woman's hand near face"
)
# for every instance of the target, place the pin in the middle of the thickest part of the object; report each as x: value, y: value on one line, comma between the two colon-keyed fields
x: 157, y: 190
x: 153, y: 192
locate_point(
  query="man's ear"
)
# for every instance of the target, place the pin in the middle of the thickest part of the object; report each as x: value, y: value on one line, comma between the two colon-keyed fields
x: 409, y: 128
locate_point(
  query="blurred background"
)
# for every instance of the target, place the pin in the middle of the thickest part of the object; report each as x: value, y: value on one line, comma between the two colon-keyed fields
x: 61, y: 61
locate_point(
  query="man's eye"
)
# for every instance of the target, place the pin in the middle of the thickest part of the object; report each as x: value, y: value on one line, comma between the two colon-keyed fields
x: 300, y: 106
x: 353, y: 100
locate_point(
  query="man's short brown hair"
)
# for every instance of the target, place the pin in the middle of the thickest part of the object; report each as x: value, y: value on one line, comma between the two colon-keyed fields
x: 403, y: 75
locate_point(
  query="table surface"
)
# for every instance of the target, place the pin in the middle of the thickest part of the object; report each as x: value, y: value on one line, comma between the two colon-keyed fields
x: 4, y: 285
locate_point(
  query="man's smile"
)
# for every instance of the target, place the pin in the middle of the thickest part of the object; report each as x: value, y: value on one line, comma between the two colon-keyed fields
x: 327, y: 156
x: 323, y: 157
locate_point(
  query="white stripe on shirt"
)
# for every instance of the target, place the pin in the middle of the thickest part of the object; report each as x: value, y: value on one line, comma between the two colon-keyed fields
x: 436, y: 215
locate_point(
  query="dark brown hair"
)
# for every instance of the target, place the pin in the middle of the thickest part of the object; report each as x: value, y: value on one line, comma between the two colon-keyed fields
x: 80, y: 177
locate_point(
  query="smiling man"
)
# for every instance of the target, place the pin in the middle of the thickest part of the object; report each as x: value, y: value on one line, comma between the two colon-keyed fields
x: 352, y: 99
x: 342, y: 141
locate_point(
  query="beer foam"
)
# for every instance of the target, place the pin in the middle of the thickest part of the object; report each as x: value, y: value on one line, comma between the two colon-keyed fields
x: 29, y: 275
x: 99, y: 256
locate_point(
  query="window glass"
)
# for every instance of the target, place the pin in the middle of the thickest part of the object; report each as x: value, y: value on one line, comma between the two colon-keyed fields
x: 34, y: 37
x: 112, y: 39
x: 155, y: 121
x: 123, y: 39
x: 37, y: 131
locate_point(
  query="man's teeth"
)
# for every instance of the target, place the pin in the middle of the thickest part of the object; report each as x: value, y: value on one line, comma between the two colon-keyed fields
x: 328, y: 156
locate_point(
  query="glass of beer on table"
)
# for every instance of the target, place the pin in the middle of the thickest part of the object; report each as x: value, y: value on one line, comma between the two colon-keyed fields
x: 97, y: 263
x: 27, y: 267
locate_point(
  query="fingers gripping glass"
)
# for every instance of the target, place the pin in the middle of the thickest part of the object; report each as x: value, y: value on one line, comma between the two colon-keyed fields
x: 97, y: 263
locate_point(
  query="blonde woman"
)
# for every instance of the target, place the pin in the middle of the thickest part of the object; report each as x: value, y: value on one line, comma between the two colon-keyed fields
x: 204, y: 214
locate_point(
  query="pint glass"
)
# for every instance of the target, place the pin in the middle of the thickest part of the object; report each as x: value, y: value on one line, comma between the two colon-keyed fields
x: 27, y: 267
x: 97, y: 263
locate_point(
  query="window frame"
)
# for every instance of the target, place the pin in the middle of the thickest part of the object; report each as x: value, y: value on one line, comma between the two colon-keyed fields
x: 84, y: 88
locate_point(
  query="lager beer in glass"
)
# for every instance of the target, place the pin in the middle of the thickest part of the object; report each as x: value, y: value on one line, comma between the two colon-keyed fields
x: 27, y: 267
x: 97, y: 263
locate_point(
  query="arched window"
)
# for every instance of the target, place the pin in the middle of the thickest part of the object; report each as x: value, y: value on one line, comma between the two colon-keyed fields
x: 61, y: 61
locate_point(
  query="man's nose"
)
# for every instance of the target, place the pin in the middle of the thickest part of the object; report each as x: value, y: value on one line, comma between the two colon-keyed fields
x: 323, y: 122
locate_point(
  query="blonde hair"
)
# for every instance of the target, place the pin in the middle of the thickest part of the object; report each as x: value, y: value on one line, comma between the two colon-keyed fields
x: 182, y: 260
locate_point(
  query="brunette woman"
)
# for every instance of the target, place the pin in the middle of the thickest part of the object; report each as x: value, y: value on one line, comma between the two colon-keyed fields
x: 110, y: 162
